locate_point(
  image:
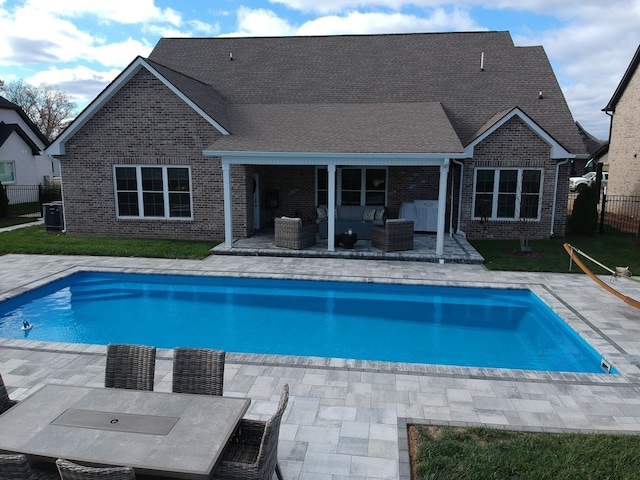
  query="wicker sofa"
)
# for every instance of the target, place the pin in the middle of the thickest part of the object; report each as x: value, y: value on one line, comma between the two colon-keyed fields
x: 359, y: 218
x: 290, y: 233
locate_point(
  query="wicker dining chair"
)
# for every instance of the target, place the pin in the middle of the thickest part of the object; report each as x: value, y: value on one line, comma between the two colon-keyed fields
x: 5, y: 402
x: 16, y: 466
x: 130, y: 366
x: 252, y: 451
x: 72, y: 471
x: 198, y: 370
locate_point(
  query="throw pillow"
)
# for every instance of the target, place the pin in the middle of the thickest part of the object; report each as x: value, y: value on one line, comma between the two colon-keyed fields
x: 379, y: 214
x: 321, y: 212
x: 369, y: 214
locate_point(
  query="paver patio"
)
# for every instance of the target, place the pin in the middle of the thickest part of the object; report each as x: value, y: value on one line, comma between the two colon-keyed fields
x: 347, y: 419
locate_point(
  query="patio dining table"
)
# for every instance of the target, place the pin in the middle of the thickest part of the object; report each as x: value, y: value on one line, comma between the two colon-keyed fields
x: 159, y: 434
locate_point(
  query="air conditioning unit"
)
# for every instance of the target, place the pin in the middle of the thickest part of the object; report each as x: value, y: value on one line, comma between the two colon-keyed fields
x: 53, y: 214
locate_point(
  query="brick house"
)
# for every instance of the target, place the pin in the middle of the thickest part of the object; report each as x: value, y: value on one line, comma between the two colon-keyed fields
x: 624, y: 135
x: 210, y: 138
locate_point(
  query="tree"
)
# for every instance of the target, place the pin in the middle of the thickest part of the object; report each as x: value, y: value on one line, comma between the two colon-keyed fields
x: 4, y: 202
x: 48, y: 107
x: 584, y: 218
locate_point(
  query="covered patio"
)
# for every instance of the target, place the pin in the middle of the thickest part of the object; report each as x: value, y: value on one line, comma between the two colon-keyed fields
x: 455, y: 249
x: 333, y: 136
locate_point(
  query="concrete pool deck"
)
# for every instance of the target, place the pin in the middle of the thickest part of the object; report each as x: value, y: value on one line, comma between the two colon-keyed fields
x: 347, y: 419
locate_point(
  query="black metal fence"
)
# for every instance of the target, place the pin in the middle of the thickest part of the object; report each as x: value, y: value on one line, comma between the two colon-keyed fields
x: 617, y: 214
x: 28, y: 199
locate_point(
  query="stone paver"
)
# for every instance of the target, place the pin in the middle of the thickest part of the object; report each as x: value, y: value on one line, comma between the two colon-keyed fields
x: 347, y: 419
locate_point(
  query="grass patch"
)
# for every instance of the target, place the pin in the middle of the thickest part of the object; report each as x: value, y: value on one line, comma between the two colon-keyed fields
x: 36, y: 240
x: 550, y: 256
x: 478, y: 453
x: 11, y: 221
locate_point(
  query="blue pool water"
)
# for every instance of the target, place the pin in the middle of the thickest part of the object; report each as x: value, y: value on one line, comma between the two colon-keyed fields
x: 479, y: 327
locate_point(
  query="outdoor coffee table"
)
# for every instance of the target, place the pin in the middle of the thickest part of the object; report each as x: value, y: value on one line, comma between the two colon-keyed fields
x: 156, y: 433
x: 348, y: 240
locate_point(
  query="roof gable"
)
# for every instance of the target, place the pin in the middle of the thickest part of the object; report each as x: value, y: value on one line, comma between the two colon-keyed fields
x: 397, y: 68
x: 6, y: 129
x: 7, y: 105
x: 626, y: 78
x: 500, y: 118
x: 191, y: 91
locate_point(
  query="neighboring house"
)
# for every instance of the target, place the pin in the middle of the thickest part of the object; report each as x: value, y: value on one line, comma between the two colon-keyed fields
x: 597, y: 153
x: 210, y: 138
x: 20, y: 145
x: 624, y: 136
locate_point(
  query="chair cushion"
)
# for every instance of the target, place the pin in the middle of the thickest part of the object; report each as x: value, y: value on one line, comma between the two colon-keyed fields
x: 292, y: 220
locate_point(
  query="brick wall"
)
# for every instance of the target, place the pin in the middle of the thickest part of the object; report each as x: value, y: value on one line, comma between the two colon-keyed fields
x: 624, y: 145
x: 515, y: 145
x: 145, y: 123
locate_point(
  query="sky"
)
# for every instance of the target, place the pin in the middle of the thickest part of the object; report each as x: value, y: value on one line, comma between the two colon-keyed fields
x: 80, y: 46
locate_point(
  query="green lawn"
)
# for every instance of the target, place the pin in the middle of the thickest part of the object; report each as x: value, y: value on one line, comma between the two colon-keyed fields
x: 450, y: 453
x: 550, y: 256
x: 36, y: 240
x: 11, y: 221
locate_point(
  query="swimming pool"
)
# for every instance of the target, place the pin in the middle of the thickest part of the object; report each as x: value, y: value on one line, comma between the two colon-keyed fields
x: 462, y: 326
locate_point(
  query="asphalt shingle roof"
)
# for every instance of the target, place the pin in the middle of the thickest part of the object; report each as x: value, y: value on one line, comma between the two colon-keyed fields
x: 205, y: 96
x: 340, y: 128
x: 388, y: 69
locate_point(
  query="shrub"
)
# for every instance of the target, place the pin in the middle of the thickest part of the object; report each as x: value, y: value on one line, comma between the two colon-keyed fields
x: 584, y: 218
x: 4, y: 202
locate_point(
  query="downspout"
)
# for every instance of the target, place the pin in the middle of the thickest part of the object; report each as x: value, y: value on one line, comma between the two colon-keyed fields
x: 458, y: 231
x: 555, y: 196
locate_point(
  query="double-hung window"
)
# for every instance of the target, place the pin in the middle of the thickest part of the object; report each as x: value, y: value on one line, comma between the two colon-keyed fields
x: 507, y: 193
x: 153, y: 191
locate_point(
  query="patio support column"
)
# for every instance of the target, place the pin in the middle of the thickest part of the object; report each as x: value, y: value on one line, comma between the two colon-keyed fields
x: 331, y: 206
x: 228, y: 221
x: 442, y: 206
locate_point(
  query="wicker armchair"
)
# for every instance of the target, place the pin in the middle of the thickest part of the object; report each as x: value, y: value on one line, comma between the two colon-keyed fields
x: 252, y: 451
x: 198, y: 370
x: 72, y: 471
x: 395, y: 235
x: 130, y: 366
x: 5, y: 402
x: 15, y: 466
x: 290, y: 233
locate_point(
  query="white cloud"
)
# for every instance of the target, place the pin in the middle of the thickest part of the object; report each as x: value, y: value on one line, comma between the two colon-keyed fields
x: 121, y: 53
x: 260, y: 23
x: 82, y: 84
x: 547, y: 7
x: 591, y: 52
x: 120, y: 11
x: 372, y: 22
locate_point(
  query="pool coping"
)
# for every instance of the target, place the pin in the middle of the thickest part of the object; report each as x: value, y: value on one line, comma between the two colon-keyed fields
x: 612, y: 353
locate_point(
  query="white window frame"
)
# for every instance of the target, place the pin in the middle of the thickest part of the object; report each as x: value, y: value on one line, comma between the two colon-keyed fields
x: 165, y: 192
x: 495, y: 194
x: 13, y: 168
